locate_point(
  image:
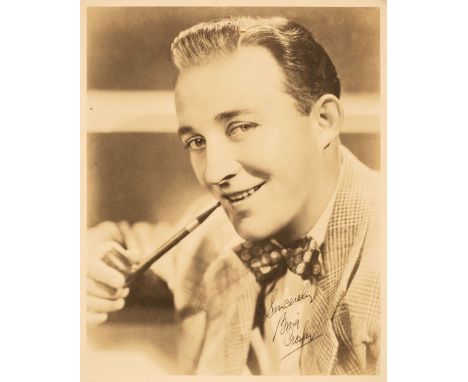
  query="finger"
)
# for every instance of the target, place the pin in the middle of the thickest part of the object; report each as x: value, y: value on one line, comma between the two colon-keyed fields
x: 100, y: 305
x: 133, y: 252
x: 94, y: 319
x: 118, y: 261
x: 105, y: 247
x: 123, y: 292
x: 133, y: 255
x: 105, y: 274
x: 97, y: 289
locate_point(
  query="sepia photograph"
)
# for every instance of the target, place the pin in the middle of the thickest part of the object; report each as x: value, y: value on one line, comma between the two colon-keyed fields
x: 234, y: 189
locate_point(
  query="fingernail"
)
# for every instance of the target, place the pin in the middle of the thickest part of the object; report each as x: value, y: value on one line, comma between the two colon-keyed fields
x: 124, y: 292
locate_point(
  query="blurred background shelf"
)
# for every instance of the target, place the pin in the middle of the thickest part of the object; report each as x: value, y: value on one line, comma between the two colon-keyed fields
x: 111, y: 111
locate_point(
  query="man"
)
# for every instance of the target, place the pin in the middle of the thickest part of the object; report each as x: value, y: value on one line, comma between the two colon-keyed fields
x: 294, y: 288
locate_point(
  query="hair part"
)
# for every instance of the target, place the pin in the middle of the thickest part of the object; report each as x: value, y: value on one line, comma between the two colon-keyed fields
x: 308, y: 70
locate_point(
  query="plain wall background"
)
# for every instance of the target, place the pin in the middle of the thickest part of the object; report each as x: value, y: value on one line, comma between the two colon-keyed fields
x: 129, y: 48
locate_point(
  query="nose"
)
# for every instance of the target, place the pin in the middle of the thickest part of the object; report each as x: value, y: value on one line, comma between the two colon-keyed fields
x: 221, y: 165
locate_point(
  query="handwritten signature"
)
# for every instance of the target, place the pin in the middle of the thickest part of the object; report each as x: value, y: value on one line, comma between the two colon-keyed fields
x: 287, y: 302
x: 289, y: 330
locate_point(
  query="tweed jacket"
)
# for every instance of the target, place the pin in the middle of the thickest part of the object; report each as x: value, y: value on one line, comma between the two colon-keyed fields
x: 215, y: 294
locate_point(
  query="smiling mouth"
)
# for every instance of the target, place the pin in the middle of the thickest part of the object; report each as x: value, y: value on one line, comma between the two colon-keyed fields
x: 241, y: 195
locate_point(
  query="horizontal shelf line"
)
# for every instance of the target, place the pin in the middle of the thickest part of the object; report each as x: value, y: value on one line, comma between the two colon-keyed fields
x: 154, y: 111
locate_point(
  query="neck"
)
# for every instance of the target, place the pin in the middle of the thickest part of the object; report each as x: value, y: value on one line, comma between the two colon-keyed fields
x: 316, y: 204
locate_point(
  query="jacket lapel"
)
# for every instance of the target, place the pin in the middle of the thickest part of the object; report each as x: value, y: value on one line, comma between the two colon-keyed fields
x: 233, y: 292
x: 343, y: 242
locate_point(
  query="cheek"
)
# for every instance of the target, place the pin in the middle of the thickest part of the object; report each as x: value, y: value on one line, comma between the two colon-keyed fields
x: 282, y: 143
x: 292, y: 170
x: 198, y: 166
x: 261, y: 153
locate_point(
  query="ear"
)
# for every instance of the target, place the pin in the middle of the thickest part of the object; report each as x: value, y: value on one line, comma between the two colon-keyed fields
x: 328, y: 112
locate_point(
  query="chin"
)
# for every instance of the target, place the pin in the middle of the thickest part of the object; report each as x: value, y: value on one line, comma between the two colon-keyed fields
x: 253, y: 229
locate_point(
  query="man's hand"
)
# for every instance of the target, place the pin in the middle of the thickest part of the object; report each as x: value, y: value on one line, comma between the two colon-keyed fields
x: 105, y: 291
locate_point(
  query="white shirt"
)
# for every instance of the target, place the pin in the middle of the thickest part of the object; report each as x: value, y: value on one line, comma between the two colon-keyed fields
x: 278, y: 352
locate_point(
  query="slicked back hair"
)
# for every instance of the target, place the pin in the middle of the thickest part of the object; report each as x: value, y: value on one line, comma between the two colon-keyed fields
x: 308, y: 70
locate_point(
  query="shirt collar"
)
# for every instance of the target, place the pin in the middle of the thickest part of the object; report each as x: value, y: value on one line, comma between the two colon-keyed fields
x: 319, y: 230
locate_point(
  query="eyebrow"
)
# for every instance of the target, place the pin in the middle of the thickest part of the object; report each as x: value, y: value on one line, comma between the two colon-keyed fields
x: 221, y: 117
x: 184, y: 130
x: 227, y: 115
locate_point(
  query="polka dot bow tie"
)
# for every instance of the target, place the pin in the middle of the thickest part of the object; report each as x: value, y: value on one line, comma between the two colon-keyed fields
x: 268, y: 261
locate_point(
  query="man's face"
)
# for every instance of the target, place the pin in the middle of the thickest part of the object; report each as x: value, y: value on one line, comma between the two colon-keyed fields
x: 248, y: 144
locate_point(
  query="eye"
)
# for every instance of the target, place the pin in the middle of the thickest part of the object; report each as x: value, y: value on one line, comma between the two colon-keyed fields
x: 195, y: 143
x: 241, y: 128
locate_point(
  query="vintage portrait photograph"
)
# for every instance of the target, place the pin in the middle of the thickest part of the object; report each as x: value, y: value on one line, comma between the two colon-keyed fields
x: 233, y: 190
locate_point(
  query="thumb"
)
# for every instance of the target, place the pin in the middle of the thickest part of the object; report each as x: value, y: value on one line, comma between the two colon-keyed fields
x: 133, y: 251
x: 133, y: 254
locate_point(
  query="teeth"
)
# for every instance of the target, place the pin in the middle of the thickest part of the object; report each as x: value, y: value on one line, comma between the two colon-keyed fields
x: 242, y: 195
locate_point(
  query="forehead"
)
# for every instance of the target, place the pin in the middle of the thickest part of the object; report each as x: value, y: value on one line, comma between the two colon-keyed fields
x: 249, y: 78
